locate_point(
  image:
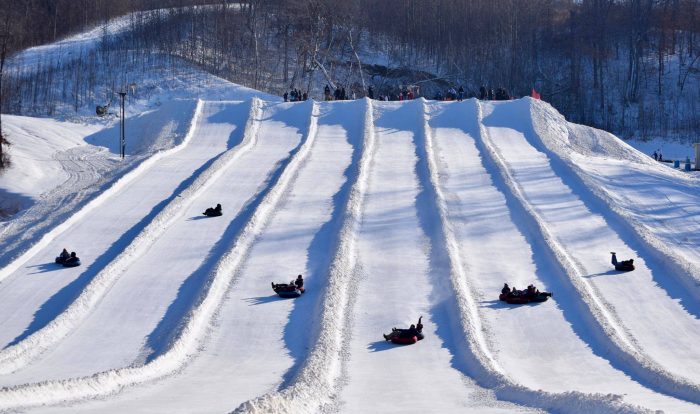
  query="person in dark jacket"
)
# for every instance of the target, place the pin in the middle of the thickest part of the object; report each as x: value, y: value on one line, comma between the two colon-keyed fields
x: 419, y: 329
x: 413, y: 330
x: 72, y: 260
x: 370, y: 93
x: 624, y: 265
x: 482, y: 93
x: 460, y: 93
x: 299, y: 282
x: 64, y: 255
x: 506, y: 289
x: 216, y: 211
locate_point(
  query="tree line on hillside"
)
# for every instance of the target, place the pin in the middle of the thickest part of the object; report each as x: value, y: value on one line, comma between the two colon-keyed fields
x: 628, y: 66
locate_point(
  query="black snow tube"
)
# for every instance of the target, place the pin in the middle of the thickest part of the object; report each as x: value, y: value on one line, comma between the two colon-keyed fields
x: 71, y: 263
x: 524, y: 298
x: 284, y: 290
x: 210, y: 212
x: 624, y: 266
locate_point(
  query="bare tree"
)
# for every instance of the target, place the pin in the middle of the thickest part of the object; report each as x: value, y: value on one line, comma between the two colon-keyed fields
x: 4, y: 39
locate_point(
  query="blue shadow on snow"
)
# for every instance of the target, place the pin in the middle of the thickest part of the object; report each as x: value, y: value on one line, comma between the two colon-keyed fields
x: 196, y: 287
x: 302, y: 326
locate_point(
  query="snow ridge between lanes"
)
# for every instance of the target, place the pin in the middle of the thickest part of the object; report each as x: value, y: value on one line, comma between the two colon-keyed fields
x: 605, y: 325
x: 115, y: 187
x: 485, y: 369
x: 319, y: 380
x: 685, y: 271
x: 198, y: 320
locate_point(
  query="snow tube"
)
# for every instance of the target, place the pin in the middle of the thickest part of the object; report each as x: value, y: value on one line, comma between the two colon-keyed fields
x: 542, y: 297
x: 60, y: 260
x: 517, y: 300
x: 523, y: 299
x: 404, y: 340
x: 73, y: 263
x: 289, y: 291
x: 624, y: 266
x: 210, y: 212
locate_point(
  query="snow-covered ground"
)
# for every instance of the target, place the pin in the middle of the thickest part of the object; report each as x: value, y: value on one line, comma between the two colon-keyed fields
x: 670, y: 150
x: 391, y: 211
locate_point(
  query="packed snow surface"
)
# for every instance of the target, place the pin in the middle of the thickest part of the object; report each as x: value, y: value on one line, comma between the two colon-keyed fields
x: 390, y: 211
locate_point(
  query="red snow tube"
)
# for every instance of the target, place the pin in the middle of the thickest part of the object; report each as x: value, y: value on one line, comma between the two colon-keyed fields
x: 517, y: 300
x: 406, y: 340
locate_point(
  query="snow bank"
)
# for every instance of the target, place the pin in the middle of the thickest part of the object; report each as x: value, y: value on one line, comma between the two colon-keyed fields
x: 602, y: 320
x: 198, y: 320
x: 319, y: 379
x: 559, y: 140
x: 153, y: 130
x: 14, y: 357
x: 59, y: 224
x: 36, y: 142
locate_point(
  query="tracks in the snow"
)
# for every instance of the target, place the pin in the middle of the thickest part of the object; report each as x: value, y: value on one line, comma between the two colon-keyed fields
x: 195, y: 324
x: 92, y: 181
x: 317, y: 381
x: 317, y: 384
x: 607, y: 327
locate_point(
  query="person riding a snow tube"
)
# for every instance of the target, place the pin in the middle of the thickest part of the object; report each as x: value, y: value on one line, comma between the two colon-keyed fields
x: 72, y: 261
x: 288, y: 290
x: 213, y: 212
x: 61, y: 258
x: 406, y: 336
x: 520, y: 297
x: 622, y: 266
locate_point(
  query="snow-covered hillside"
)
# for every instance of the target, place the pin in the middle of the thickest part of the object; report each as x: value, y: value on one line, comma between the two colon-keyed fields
x: 391, y: 211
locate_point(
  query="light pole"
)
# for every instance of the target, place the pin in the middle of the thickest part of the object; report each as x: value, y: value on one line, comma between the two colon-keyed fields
x: 122, y: 135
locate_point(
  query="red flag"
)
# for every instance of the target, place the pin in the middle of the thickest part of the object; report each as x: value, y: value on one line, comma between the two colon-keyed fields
x: 534, y: 94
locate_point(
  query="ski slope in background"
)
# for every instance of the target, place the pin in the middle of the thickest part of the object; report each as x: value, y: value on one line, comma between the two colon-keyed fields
x: 390, y: 211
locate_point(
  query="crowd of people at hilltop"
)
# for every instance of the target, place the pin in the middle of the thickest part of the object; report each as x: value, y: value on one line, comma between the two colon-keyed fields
x: 295, y: 95
x: 402, y: 93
